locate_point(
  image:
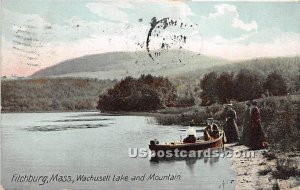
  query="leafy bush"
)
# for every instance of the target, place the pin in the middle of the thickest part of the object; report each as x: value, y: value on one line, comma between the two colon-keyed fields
x: 208, y: 86
x: 143, y: 94
x: 185, y: 101
x: 248, y: 85
x: 275, y: 84
x: 225, y: 87
x: 281, y: 124
x: 285, y: 168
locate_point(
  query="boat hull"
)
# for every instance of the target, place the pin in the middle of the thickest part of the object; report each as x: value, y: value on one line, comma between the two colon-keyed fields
x: 200, y: 145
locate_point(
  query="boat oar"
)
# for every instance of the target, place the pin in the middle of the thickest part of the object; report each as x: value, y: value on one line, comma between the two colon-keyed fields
x: 197, y: 130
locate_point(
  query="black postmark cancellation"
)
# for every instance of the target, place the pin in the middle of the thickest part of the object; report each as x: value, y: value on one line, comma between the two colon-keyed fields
x: 27, y: 41
x: 171, y: 33
x: 86, y: 178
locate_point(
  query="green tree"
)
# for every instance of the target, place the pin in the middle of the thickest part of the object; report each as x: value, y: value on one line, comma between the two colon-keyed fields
x: 143, y: 94
x: 208, y: 86
x: 248, y: 85
x: 297, y: 83
x: 164, y: 88
x: 225, y: 87
x: 275, y: 84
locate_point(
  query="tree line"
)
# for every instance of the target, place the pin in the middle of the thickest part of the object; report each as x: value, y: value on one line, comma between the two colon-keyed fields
x: 245, y: 85
x: 52, y: 94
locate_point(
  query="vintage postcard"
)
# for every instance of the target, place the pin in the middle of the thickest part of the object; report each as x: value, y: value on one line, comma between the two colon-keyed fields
x: 150, y: 94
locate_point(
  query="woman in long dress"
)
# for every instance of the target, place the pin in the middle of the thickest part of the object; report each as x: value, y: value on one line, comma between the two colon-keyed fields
x: 230, y: 127
x: 247, y: 125
x: 257, y: 136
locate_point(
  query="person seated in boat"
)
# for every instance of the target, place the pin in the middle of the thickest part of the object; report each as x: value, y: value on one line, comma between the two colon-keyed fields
x: 211, y: 131
x: 191, y: 135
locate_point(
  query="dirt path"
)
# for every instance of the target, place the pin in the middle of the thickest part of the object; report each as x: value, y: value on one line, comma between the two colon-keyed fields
x: 257, y: 172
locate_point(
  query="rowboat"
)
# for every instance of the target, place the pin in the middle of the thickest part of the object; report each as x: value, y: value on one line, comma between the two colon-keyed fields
x: 200, y: 144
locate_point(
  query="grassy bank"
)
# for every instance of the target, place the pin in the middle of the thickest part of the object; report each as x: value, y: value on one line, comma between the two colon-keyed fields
x: 51, y: 94
x: 182, y: 116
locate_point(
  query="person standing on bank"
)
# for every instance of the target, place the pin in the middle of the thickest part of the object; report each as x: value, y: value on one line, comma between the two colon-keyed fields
x: 257, y: 136
x: 230, y: 127
x: 247, y: 125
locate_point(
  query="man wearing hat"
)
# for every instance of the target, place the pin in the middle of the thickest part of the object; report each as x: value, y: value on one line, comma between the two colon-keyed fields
x: 211, y: 131
x: 230, y: 127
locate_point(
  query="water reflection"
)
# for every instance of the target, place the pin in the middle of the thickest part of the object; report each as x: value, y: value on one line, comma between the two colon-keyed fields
x: 46, y: 128
x: 75, y: 120
x: 190, y: 161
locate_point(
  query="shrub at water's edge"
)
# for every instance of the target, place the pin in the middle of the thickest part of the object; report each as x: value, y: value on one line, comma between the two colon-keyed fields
x: 146, y: 93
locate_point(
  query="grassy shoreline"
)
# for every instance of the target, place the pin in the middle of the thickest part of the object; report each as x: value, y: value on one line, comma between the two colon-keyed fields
x: 146, y: 114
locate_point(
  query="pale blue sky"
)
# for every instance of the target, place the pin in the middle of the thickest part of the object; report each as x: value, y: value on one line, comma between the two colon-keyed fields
x: 66, y: 29
x: 282, y: 15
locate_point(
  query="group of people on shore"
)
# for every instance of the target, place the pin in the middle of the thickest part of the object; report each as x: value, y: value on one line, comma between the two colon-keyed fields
x: 252, y: 133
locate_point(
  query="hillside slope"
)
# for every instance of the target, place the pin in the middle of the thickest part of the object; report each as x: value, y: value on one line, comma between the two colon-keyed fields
x: 117, y: 65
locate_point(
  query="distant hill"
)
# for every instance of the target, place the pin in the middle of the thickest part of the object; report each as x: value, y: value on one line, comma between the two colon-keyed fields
x: 117, y: 65
x: 286, y: 66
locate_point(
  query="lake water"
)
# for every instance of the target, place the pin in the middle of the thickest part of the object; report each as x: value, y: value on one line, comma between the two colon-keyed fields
x: 75, y: 143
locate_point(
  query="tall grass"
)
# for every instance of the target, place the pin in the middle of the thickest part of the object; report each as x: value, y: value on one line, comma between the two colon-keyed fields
x: 198, y: 116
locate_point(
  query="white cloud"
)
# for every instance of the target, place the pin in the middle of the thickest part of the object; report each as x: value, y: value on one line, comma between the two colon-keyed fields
x: 180, y: 9
x: 223, y: 9
x: 111, y: 10
x: 237, y: 23
x: 226, y: 10
x: 285, y: 45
